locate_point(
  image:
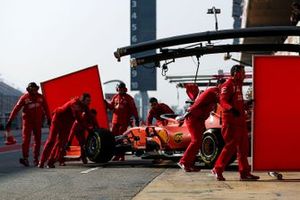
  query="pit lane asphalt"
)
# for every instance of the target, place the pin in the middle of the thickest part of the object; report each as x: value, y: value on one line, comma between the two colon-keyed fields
x: 135, y: 179
x: 75, y: 181
x: 115, y: 180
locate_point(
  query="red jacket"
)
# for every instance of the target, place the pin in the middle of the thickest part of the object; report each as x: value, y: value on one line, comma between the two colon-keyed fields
x: 70, y: 111
x: 232, y: 96
x: 205, y: 103
x: 88, y: 122
x: 123, y: 108
x: 34, y: 107
x: 157, y: 111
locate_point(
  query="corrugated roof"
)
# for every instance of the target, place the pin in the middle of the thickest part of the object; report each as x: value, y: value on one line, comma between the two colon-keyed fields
x: 8, y: 90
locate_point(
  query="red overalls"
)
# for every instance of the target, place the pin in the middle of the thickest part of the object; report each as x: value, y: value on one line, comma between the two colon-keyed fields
x: 156, y: 112
x: 195, y: 122
x: 61, y: 124
x: 123, y: 108
x: 34, y: 109
x: 78, y: 130
x: 234, y: 129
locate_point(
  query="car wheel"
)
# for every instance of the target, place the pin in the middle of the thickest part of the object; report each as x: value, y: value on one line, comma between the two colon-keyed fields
x: 100, y: 146
x: 212, y: 145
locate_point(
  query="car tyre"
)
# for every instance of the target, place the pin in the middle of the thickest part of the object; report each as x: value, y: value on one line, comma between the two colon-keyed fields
x: 100, y: 145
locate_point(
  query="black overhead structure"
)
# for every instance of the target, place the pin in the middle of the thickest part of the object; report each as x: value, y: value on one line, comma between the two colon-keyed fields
x: 200, y: 51
x: 259, y: 13
x: 203, y: 80
x: 269, y: 31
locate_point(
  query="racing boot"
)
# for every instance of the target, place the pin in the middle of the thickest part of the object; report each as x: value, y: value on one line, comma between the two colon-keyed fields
x: 195, y: 168
x: 35, y: 162
x: 248, y: 177
x: 62, y: 163
x: 83, y: 156
x: 122, y: 158
x: 24, y: 161
x: 217, y: 175
x: 84, y: 160
x: 50, y: 165
x: 116, y: 158
x: 40, y: 165
x: 188, y: 168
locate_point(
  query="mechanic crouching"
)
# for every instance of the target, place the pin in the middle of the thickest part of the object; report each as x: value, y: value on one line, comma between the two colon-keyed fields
x: 158, y: 109
x: 234, y: 128
x: 123, y: 107
x: 61, y: 124
x: 195, y: 120
x: 89, y: 123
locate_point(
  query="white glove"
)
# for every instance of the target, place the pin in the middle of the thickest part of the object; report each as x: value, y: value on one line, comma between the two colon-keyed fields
x: 180, y: 118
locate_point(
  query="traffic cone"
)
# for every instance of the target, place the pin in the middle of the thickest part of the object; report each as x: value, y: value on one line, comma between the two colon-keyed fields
x: 10, y: 139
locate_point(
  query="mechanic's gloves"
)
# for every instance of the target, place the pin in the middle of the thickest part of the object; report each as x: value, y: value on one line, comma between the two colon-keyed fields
x: 235, y: 112
x: 137, y: 122
x: 180, y: 118
x: 49, y: 122
x: 250, y: 102
x: 8, y: 126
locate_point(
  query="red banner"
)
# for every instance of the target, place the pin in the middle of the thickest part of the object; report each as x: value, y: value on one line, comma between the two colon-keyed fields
x: 276, y: 131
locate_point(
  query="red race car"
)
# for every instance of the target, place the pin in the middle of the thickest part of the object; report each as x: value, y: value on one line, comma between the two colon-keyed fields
x: 153, y: 142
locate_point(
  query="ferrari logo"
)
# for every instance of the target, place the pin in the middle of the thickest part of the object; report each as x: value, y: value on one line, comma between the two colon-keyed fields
x: 178, y: 137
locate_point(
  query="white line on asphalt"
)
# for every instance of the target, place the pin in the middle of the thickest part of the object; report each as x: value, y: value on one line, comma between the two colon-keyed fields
x: 89, y: 170
x: 11, y: 151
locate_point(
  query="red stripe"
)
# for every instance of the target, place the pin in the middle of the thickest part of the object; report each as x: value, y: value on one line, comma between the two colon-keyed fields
x: 10, y: 148
x: 13, y: 147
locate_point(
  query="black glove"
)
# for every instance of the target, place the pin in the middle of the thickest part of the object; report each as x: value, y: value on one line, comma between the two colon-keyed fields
x: 8, y: 126
x: 249, y: 102
x: 137, y: 122
x: 235, y: 112
x: 49, y: 122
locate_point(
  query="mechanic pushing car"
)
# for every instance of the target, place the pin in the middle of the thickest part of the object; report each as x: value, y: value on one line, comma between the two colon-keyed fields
x: 61, y: 124
x: 158, y: 109
x: 195, y: 120
x: 234, y: 128
x: 34, y: 109
x: 123, y: 107
x: 89, y: 123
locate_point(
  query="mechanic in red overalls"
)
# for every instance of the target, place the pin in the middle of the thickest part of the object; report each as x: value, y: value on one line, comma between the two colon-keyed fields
x: 34, y: 109
x: 195, y: 120
x: 158, y: 109
x: 234, y: 129
x: 78, y: 130
x: 123, y: 107
x: 61, y: 124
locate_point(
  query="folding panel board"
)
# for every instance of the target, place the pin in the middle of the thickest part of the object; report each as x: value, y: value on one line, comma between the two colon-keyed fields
x: 276, y: 120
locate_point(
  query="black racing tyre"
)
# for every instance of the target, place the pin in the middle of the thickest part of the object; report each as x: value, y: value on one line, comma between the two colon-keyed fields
x: 211, y: 147
x: 100, y: 146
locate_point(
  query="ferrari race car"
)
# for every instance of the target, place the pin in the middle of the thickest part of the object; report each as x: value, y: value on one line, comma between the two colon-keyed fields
x: 157, y: 142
